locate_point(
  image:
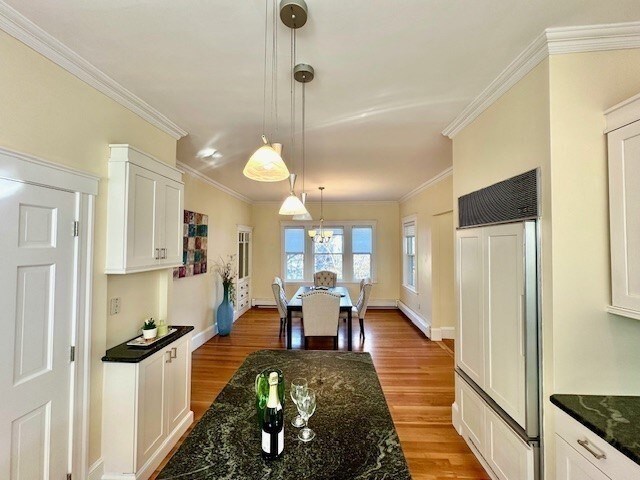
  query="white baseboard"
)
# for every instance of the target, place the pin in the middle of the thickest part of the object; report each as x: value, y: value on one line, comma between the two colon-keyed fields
x: 455, y: 417
x: 96, y: 470
x: 438, y: 333
x: 203, y: 337
x: 418, y: 320
x: 376, y: 303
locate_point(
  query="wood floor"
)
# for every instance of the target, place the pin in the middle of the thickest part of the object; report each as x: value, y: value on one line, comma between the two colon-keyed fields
x: 416, y: 375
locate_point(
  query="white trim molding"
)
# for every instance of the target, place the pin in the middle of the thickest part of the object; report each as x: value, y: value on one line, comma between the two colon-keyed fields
x: 429, y: 183
x: 203, y: 337
x: 23, y: 29
x: 552, y: 41
x: 96, y: 470
x: 423, y: 324
x: 201, y: 176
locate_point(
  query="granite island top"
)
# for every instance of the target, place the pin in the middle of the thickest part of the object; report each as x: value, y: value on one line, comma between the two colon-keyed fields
x: 124, y: 353
x: 355, y: 435
x: 616, y: 419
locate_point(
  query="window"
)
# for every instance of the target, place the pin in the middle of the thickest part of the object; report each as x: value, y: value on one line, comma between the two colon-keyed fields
x: 350, y: 253
x: 362, y: 248
x: 294, y: 240
x: 328, y: 256
x: 409, y: 252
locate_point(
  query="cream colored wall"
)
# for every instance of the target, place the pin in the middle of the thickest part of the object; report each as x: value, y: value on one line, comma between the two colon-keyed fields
x: 267, y: 244
x: 511, y: 137
x: 49, y: 113
x: 435, y: 257
x: 594, y: 352
x: 193, y: 300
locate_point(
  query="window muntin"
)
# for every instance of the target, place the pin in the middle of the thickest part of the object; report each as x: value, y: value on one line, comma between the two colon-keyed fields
x: 329, y: 256
x: 409, y: 246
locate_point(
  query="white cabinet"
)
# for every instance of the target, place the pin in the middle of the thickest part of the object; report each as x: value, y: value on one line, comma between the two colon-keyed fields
x: 146, y: 409
x: 500, y: 449
x: 243, y: 284
x: 623, y: 127
x: 583, y: 455
x: 144, y: 212
x: 491, y: 323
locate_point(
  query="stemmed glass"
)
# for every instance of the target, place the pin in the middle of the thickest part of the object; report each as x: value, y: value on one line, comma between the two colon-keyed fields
x: 298, y: 390
x: 307, y: 406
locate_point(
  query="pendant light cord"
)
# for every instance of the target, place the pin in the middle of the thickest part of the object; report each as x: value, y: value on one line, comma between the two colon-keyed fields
x: 293, y: 98
x: 264, y: 82
x: 274, y: 72
x: 304, y: 103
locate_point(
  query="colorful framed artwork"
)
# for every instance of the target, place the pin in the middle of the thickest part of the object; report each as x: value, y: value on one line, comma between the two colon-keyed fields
x: 194, y: 245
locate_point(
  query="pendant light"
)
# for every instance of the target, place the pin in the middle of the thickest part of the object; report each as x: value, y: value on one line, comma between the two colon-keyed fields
x: 266, y: 163
x: 304, y: 74
x: 292, y: 204
x: 321, y: 235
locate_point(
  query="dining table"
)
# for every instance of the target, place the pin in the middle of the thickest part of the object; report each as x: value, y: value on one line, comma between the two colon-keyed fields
x: 295, y: 305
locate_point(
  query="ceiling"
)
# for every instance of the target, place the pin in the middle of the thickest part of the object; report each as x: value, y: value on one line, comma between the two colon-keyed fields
x: 390, y: 75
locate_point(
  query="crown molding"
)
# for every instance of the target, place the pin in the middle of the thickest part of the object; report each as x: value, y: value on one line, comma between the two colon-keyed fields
x: 274, y: 203
x: 552, y: 41
x: 23, y: 29
x: 201, y: 176
x: 429, y: 183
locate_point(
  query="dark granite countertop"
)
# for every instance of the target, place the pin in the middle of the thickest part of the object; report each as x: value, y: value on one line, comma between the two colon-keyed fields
x: 355, y: 435
x: 616, y: 419
x: 125, y: 354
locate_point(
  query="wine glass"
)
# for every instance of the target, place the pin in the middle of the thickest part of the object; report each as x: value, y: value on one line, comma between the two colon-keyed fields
x: 298, y: 390
x: 307, y: 406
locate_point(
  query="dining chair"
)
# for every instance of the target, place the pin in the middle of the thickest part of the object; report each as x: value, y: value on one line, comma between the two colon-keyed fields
x: 325, y: 278
x: 280, y: 296
x: 321, y: 311
x: 360, y: 308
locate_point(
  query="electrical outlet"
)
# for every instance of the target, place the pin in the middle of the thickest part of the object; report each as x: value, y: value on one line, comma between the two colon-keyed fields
x: 114, y: 306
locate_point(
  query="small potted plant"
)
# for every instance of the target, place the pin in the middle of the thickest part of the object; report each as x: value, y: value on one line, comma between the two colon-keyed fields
x: 149, y: 329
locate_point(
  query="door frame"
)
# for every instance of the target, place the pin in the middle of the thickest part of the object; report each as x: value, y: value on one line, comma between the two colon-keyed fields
x: 31, y: 170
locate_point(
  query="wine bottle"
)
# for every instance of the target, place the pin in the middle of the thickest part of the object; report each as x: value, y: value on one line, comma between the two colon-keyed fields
x: 273, y: 422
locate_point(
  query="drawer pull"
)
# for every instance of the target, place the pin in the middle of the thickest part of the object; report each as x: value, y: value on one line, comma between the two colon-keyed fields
x: 596, y: 452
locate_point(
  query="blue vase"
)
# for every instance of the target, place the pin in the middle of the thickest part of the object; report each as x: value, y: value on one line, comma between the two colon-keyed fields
x: 225, y: 314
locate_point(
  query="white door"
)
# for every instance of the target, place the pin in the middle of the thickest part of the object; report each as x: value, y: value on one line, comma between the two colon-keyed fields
x: 470, y: 347
x: 472, y: 415
x: 172, y: 222
x: 178, y: 379
x: 152, y: 426
x: 142, y: 248
x: 504, y: 318
x: 507, y: 455
x: 36, y: 297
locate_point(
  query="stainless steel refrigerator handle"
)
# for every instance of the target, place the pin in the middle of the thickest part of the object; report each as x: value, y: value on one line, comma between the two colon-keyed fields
x: 586, y: 445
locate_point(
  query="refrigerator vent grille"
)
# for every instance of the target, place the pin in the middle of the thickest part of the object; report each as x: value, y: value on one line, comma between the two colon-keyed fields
x: 507, y: 201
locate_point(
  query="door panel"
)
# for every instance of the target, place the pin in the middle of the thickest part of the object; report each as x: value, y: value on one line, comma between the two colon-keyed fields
x: 141, y: 244
x: 470, y: 347
x: 172, y: 222
x: 178, y: 380
x: 507, y: 455
x: 504, y: 318
x: 472, y: 414
x: 37, y: 297
x: 152, y: 428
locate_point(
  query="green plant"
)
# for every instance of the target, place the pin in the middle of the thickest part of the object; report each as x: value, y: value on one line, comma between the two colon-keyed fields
x: 149, y: 324
x: 227, y: 273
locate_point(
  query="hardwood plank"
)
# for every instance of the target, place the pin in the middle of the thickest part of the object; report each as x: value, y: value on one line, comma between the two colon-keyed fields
x: 416, y: 375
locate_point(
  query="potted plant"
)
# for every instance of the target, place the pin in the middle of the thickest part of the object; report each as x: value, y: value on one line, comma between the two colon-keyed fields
x: 149, y: 329
x: 224, y: 314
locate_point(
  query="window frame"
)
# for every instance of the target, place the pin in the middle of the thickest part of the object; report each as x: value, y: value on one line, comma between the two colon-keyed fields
x: 347, y: 248
x: 406, y: 222
x: 284, y: 254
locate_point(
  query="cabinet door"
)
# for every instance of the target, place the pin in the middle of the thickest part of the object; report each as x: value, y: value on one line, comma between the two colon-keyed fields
x: 504, y: 318
x: 141, y: 218
x: 178, y: 384
x: 570, y: 465
x: 472, y: 415
x: 171, y: 222
x: 624, y: 206
x: 470, y: 346
x: 152, y: 428
x: 507, y: 455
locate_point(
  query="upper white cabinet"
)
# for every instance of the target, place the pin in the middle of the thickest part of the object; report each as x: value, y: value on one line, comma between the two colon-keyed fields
x: 144, y: 213
x: 623, y: 128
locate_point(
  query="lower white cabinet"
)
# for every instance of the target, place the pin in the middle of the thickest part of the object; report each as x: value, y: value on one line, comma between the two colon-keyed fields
x: 243, y: 296
x: 146, y: 409
x: 583, y: 455
x: 497, y: 446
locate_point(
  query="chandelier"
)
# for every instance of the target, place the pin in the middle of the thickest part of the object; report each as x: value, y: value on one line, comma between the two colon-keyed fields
x: 320, y: 235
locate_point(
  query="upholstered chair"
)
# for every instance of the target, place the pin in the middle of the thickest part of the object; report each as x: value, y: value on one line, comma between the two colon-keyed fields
x: 360, y: 308
x: 281, y: 302
x: 321, y: 311
x: 325, y: 278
